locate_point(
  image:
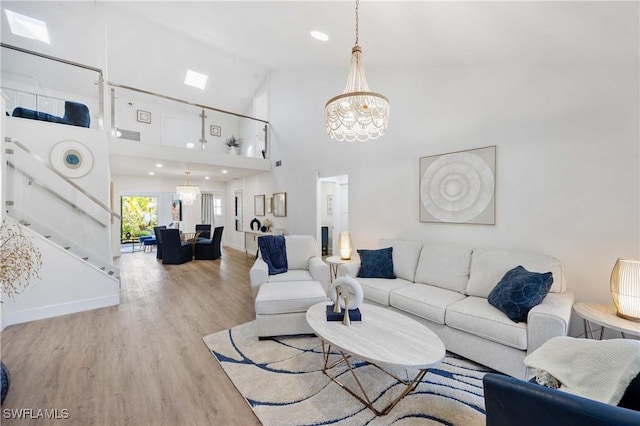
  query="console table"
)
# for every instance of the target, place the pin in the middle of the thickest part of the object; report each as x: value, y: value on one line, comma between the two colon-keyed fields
x: 605, y: 316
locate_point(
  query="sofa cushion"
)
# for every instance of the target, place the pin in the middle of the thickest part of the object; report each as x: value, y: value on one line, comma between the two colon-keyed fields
x: 425, y: 301
x: 286, y: 297
x: 405, y: 257
x: 376, y: 263
x: 488, y: 266
x: 519, y: 291
x: 476, y: 316
x: 292, y: 275
x: 378, y: 289
x: 299, y: 249
x: 445, y: 267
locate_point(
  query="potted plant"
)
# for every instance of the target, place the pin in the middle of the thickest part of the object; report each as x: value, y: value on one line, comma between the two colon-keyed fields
x: 20, y: 262
x: 233, y: 145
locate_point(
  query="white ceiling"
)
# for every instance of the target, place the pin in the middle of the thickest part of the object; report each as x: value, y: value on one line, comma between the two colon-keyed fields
x: 407, y: 33
x: 244, y: 40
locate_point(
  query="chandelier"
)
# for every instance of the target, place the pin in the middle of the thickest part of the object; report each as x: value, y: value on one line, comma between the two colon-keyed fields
x: 357, y: 114
x: 188, y: 193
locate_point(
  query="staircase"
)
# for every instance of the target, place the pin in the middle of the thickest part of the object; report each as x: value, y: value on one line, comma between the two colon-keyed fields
x: 68, y: 218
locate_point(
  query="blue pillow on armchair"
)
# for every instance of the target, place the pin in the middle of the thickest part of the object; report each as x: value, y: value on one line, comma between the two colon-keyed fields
x: 519, y: 291
x: 376, y: 263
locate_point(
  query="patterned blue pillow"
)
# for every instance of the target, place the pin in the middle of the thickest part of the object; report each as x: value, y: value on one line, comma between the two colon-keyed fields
x: 376, y: 263
x: 519, y: 291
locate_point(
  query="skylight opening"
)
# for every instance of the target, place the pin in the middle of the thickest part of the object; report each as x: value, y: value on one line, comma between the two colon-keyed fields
x: 28, y: 27
x: 196, y: 79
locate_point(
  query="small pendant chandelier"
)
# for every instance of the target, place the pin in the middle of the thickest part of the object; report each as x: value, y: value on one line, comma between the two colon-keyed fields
x: 357, y: 114
x: 188, y: 193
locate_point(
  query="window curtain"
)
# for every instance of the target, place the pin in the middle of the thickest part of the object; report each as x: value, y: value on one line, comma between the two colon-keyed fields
x: 206, y: 210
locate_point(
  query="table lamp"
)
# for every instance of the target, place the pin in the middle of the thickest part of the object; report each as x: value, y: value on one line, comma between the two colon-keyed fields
x: 625, y: 289
x: 344, y: 245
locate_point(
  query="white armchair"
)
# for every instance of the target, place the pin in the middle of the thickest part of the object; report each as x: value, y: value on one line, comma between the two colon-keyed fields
x: 303, y: 261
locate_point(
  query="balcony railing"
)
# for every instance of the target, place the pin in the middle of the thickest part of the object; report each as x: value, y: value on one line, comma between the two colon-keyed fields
x: 152, y: 118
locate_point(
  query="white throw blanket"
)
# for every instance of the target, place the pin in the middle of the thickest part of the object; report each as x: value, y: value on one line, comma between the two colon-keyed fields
x: 594, y: 369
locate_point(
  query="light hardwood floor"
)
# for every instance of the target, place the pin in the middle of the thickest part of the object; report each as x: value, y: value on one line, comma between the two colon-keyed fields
x: 142, y: 362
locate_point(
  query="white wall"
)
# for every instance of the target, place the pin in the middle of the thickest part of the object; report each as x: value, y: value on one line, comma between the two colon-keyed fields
x: 67, y: 285
x: 568, y: 179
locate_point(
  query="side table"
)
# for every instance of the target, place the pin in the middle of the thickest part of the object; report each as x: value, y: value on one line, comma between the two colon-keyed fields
x: 335, y: 261
x: 605, y: 316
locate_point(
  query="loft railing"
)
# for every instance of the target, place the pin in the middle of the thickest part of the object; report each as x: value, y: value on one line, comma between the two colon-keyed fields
x: 42, y: 82
x: 152, y: 118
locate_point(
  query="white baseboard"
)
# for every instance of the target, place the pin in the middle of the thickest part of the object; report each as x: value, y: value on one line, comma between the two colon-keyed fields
x: 20, y: 317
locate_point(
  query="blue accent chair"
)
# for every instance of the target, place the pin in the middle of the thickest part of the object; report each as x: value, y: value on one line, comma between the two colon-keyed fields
x: 75, y: 114
x: 147, y: 241
x: 514, y: 402
x: 205, y: 231
x: 156, y: 230
x: 209, y: 249
x: 174, y: 250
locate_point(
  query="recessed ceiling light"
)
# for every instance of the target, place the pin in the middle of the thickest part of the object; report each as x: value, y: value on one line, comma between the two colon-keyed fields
x: 190, y: 145
x: 195, y: 79
x: 28, y: 27
x: 152, y: 173
x: 158, y: 165
x: 224, y: 171
x: 319, y: 35
x: 206, y: 177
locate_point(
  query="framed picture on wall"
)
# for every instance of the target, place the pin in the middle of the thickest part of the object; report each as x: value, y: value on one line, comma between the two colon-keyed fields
x: 144, y: 116
x: 280, y: 204
x: 459, y: 187
x: 258, y: 205
x: 176, y: 211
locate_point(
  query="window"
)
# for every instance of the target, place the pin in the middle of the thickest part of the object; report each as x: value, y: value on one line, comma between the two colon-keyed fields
x: 217, y: 206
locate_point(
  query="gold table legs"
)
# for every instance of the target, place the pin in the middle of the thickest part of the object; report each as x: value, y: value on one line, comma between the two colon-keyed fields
x: 410, y: 385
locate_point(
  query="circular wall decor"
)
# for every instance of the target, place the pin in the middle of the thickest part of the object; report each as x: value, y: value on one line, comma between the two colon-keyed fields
x: 71, y: 158
x: 457, y: 187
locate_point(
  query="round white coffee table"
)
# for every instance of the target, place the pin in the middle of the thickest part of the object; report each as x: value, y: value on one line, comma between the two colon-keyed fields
x: 383, y: 338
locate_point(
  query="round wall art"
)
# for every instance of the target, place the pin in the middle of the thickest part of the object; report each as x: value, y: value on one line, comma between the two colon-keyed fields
x: 458, y: 187
x: 71, y: 158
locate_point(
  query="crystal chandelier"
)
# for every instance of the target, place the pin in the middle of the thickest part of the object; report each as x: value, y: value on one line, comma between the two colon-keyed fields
x: 188, y: 193
x: 357, y: 114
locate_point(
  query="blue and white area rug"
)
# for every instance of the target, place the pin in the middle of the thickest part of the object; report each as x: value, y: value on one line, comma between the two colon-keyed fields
x: 282, y: 381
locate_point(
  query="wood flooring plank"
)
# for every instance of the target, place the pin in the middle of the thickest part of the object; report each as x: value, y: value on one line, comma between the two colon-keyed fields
x: 142, y: 362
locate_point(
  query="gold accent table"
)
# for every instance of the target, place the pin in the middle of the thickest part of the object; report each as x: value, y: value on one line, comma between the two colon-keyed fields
x: 605, y: 316
x: 383, y: 338
x: 335, y: 261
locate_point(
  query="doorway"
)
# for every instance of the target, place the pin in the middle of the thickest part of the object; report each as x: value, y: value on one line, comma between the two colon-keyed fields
x: 333, y: 211
x: 139, y: 216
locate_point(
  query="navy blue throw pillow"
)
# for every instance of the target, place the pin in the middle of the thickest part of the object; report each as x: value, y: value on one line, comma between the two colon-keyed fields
x: 519, y: 291
x: 376, y: 263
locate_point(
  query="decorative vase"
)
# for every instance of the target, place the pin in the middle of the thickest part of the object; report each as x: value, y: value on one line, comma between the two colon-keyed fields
x: 6, y: 381
x: 336, y: 301
x: 345, y: 319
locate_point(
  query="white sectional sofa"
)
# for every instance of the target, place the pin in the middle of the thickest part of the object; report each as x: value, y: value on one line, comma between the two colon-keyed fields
x: 446, y: 288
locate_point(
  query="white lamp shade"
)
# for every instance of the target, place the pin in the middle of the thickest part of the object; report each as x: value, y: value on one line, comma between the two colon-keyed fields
x: 625, y: 288
x: 344, y: 245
